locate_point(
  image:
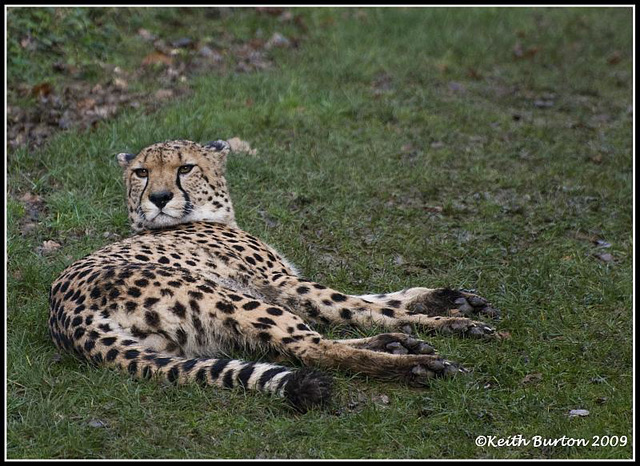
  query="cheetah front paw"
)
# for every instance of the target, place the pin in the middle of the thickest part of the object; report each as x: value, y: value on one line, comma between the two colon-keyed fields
x: 447, y: 325
x: 422, y: 374
x: 468, y: 327
x: 447, y: 302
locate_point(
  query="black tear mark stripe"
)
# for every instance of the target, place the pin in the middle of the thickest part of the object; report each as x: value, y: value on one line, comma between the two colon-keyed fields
x: 187, y: 199
x: 146, y: 184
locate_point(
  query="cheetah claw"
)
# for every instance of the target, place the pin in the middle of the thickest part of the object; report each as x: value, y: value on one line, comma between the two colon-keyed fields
x: 471, y: 303
x: 469, y: 328
x: 421, y: 375
x: 398, y: 343
x: 410, y: 345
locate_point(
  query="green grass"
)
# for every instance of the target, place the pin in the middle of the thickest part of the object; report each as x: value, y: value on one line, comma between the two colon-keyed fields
x: 397, y: 148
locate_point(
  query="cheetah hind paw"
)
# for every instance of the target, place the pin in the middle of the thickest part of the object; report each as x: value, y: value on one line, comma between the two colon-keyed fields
x: 398, y: 343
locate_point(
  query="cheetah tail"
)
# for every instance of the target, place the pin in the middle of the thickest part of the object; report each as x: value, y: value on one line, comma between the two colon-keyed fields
x: 302, y: 388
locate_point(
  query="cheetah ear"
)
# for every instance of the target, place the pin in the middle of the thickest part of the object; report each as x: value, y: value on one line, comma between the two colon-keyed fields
x: 221, y: 147
x: 125, y: 158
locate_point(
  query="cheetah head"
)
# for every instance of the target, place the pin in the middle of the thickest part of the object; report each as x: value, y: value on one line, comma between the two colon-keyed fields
x: 176, y: 182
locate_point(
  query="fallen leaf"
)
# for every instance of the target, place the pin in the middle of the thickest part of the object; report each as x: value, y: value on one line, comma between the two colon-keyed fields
x: 268, y: 220
x: 48, y: 247
x: 183, y: 42
x: 41, y: 90
x: 614, y: 58
x: 27, y: 43
x: 30, y: 198
x: 519, y: 53
x: 146, y: 35
x: 109, y: 235
x: 86, y: 104
x: 285, y: 16
x: 271, y: 11
x: 211, y: 54
x: 238, y: 145
x: 381, y: 399
x: 456, y: 87
x: 532, y: 378
x: 541, y: 103
x: 277, y: 40
x: 27, y: 228
x: 474, y: 74
x: 97, y: 423
x: 156, y: 58
x: 162, y: 94
x: 597, y: 159
x: 442, y: 68
x: 578, y: 413
x: 605, y: 257
x: 300, y: 23
x: 120, y: 83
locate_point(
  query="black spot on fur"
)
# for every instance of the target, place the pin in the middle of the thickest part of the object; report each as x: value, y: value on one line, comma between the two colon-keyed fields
x: 337, y: 297
x: 387, y: 312
x: 173, y: 374
x: 130, y: 306
x: 274, y: 311
x: 266, y: 320
x: 179, y: 309
x: 112, y: 354
x: 152, y: 318
x: 131, y: 354
x: 150, y: 302
x: 225, y: 307
x: 250, y: 305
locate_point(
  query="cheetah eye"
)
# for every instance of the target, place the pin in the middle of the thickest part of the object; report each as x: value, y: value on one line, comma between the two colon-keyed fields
x: 141, y: 172
x: 183, y: 170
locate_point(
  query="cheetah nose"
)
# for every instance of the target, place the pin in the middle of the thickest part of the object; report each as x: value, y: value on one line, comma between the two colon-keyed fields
x: 161, y: 198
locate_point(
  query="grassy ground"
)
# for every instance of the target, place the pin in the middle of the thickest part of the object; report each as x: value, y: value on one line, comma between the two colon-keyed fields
x: 474, y: 148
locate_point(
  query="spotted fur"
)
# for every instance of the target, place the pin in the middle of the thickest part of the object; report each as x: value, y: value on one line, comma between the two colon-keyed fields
x: 189, y: 285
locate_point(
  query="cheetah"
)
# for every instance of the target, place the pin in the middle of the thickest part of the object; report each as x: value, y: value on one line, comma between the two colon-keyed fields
x: 189, y: 287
